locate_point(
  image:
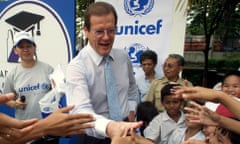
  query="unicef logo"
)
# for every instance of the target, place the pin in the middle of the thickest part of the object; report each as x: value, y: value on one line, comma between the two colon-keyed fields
x: 47, y: 109
x: 134, y: 52
x: 138, y: 7
x: 45, y: 86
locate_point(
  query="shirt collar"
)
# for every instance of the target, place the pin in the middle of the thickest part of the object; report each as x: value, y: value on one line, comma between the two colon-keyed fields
x: 95, y: 56
x: 166, y: 116
x: 156, y: 75
x: 179, y: 80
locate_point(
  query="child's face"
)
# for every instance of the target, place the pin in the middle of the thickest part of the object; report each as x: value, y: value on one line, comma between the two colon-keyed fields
x: 208, y: 130
x: 231, y: 86
x: 220, y: 136
x: 172, y: 105
x: 190, y: 124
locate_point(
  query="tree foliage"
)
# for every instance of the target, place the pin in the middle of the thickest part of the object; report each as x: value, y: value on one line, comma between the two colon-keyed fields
x: 209, y: 17
x: 81, y: 6
x: 222, y: 16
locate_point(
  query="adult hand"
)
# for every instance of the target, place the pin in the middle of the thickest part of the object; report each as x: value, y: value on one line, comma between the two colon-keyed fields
x: 60, y: 123
x: 121, y: 129
x: 9, y: 99
x: 194, y: 142
x: 122, y: 140
x: 19, y: 104
x: 6, y: 97
x: 12, y: 135
x: 132, y: 139
x: 138, y: 139
x: 12, y: 129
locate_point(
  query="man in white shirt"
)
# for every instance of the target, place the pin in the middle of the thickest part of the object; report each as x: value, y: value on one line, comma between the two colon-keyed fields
x: 86, y: 86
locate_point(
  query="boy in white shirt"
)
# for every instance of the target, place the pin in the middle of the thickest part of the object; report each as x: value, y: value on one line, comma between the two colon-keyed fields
x: 191, y: 131
x: 161, y: 127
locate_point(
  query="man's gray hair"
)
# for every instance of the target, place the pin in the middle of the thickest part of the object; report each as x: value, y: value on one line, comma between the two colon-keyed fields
x: 179, y: 58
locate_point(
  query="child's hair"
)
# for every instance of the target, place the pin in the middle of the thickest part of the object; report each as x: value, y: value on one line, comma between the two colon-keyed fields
x: 166, y: 90
x: 232, y: 136
x: 148, y: 54
x: 231, y: 73
x: 146, y: 111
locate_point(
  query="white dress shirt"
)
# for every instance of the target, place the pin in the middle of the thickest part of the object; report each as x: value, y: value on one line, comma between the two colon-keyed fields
x: 162, y: 126
x: 86, y: 89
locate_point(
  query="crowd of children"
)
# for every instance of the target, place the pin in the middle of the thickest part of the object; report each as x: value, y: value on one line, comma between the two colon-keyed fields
x: 195, y: 123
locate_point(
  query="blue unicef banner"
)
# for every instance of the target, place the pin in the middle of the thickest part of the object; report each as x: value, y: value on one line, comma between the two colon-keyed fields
x: 50, y: 22
x: 142, y: 25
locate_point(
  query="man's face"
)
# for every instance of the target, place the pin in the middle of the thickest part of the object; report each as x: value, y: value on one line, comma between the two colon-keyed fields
x: 171, y: 68
x: 101, y: 33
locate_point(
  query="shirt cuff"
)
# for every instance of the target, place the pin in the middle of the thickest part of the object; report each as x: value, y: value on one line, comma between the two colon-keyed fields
x: 101, y: 126
x: 132, y: 105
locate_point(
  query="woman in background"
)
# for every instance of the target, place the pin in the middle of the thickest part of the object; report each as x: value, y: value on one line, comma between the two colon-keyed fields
x: 28, y: 80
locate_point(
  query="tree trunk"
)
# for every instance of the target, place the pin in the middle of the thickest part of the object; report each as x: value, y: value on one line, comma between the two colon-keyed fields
x: 206, y: 52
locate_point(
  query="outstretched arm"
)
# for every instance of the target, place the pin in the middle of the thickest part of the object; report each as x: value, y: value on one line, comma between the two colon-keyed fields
x: 12, y: 129
x: 4, y: 98
x: 121, y: 128
x: 205, y: 116
x: 60, y: 123
x: 205, y: 94
x: 132, y: 139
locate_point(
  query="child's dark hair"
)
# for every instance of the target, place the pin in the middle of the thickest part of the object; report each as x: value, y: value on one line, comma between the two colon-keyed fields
x: 233, y: 136
x: 146, y: 111
x: 231, y: 73
x: 166, y: 90
x: 148, y: 54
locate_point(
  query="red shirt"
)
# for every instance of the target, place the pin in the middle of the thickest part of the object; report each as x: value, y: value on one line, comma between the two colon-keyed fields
x: 222, y: 110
